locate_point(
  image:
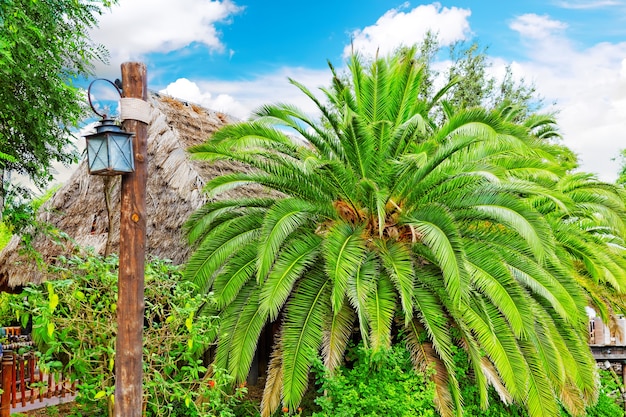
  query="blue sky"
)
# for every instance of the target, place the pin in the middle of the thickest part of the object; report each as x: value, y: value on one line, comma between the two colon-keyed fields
x: 235, y: 55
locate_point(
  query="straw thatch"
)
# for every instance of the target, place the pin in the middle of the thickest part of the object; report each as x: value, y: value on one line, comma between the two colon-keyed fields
x: 174, y: 191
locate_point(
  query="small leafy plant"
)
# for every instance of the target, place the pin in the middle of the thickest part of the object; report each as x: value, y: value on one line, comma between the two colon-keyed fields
x: 375, y: 384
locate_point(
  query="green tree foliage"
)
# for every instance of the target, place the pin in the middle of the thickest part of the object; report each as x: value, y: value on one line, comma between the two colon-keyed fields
x: 44, y: 49
x: 388, y: 219
x: 475, y: 86
x: 621, y: 179
x: 590, y: 233
x: 7, y: 316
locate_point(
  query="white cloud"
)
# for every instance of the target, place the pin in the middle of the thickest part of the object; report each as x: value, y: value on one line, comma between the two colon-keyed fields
x: 133, y: 28
x: 189, y: 90
x: 396, y: 28
x: 587, y: 4
x: 536, y: 27
x: 589, y: 87
x: 240, y: 98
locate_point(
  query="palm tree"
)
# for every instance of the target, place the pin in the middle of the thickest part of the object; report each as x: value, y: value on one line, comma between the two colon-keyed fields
x: 380, y: 219
x: 590, y: 231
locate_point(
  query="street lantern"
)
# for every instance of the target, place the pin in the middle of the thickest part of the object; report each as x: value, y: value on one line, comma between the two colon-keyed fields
x: 110, y: 149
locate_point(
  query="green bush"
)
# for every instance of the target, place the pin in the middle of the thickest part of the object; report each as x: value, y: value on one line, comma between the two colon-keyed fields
x: 376, y: 384
x: 385, y: 384
x: 5, y: 235
x: 611, y: 387
x: 74, y: 325
x: 7, y: 315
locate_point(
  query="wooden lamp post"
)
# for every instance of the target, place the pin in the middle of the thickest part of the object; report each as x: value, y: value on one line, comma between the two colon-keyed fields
x: 130, y: 306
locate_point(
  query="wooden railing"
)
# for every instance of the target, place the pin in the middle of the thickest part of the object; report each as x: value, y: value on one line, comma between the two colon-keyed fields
x: 23, y: 383
x: 11, y: 331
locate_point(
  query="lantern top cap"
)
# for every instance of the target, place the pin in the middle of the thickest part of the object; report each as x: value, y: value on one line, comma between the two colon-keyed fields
x: 108, y: 126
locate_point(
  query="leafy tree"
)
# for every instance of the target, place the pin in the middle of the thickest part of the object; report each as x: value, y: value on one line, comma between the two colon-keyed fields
x: 390, y: 220
x: 621, y: 179
x: 44, y: 48
x: 476, y: 87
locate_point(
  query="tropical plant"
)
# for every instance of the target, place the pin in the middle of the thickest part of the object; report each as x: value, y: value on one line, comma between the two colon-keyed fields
x: 590, y: 232
x: 384, y: 218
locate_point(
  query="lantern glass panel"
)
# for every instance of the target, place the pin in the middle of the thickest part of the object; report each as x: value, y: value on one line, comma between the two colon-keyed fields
x: 121, y: 152
x: 97, y: 153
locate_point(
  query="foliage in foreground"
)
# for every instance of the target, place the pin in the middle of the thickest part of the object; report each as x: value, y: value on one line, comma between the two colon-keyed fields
x: 381, y: 383
x: 463, y: 230
x: 74, y: 325
x: 376, y: 384
x: 44, y: 48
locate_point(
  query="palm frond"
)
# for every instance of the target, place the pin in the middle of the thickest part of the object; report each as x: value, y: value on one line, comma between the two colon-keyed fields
x: 245, y: 336
x: 426, y: 360
x: 344, y: 251
x: 238, y: 270
x: 274, y: 381
x: 245, y: 135
x: 491, y: 374
x: 381, y: 306
x: 439, y: 233
x: 215, y: 213
x: 520, y: 223
x: 302, y: 334
x: 396, y: 259
x: 328, y: 116
x: 230, y: 318
x: 539, y: 397
x: 490, y: 276
x: 292, y: 263
x: 280, y: 221
x: 501, y: 346
x: 360, y: 286
x: 217, y: 246
x: 336, y: 336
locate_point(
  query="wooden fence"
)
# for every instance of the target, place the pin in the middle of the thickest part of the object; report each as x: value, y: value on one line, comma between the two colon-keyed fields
x: 24, y: 385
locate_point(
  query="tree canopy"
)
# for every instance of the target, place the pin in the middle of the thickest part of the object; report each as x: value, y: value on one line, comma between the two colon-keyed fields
x: 408, y: 215
x: 44, y: 49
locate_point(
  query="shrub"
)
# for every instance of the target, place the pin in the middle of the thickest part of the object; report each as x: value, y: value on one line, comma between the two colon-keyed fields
x: 385, y: 384
x: 376, y: 384
x: 74, y: 325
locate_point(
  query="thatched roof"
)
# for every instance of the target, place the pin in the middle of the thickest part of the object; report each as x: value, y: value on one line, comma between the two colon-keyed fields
x: 174, y: 191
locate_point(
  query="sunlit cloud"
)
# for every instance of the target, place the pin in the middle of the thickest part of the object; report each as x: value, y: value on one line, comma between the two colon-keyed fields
x: 241, y: 98
x: 405, y: 28
x: 588, y: 86
x: 588, y: 4
x: 536, y: 27
x: 153, y: 30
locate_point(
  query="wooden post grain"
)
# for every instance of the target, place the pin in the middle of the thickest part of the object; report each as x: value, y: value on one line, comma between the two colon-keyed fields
x: 6, y: 382
x: 130, y: 306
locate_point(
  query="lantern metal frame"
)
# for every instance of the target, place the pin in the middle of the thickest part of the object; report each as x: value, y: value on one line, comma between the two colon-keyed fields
x: 110, y: 149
